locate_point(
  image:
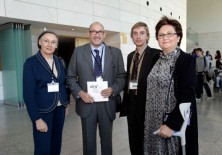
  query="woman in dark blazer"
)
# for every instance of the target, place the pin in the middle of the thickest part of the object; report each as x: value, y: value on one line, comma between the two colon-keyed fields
x: 170, y: 83
x: 45, y: 95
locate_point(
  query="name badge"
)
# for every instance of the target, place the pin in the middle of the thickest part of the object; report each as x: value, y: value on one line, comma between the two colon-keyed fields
x: 53, y: 87
x: 99, y: 79
x: 133, y: 84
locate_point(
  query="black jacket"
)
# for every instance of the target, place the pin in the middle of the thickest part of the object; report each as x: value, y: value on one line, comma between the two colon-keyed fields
x: 150, y: 57
x: 184, y: 87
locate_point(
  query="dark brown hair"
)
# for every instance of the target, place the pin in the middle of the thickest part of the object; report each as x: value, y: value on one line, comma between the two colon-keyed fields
x: 173, y: 22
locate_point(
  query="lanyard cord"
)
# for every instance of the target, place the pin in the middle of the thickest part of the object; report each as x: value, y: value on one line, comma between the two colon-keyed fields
x: 53, y: 75
x: 137, y: 62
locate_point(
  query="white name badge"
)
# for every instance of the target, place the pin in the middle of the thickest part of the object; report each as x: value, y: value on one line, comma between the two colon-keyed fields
x: 133, y: 84
x: 99, y: 79
x: 53, y: 87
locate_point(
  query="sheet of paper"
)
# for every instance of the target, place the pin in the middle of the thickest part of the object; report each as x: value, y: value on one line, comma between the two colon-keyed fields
x: 94, y: 88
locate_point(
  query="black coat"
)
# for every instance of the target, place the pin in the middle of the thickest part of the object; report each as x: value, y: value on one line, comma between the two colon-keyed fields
x: 184, y: 86
x: 150, y: 57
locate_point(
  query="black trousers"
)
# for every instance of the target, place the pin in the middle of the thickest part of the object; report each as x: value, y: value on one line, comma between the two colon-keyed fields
x: 50, y: 142
x: 207, y: 88
x: 200, y: 85
x: 135, y: 118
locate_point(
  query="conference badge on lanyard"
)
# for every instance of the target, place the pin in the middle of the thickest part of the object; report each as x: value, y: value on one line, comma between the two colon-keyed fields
x: 133, y: 84
x: 53, y: 87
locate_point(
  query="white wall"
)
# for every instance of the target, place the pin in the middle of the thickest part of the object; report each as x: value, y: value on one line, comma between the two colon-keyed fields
x: 115, y: 15
x: 211, y: 42
x: 204, y: 16
x: 2, y: 9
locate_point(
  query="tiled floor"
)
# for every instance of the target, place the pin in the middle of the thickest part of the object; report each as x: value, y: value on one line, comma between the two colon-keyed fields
x: 16, y: 132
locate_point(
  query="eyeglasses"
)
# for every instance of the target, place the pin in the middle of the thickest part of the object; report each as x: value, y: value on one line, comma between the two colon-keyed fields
x: 47, y: 43
x: 94, y: 32
x: 168, y: 35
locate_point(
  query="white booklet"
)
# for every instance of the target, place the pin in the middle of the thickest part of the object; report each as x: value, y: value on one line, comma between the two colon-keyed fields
x: 94, y: 89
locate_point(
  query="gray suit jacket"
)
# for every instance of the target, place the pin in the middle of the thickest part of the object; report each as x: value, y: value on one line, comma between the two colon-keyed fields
x: 81, y: 70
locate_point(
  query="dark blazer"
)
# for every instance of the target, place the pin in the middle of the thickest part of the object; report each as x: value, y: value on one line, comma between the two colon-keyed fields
x: 184, y: 86
x: 151, y: 55
x: 36, y: 75
x: 81, y: 70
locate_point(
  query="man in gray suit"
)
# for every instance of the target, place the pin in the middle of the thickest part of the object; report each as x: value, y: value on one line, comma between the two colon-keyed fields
x: 96, y: 62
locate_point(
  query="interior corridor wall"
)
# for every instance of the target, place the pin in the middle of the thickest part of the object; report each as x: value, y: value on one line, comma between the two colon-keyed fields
x: 211, y: 42
x: 204, y: 18
x: 115, y: 15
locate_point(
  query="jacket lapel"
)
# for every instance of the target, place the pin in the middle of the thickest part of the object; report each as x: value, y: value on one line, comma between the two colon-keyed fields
x: 43, y: 62
x: 57, y: 65
x: 88, y: 56
x: 108, y: 58
x: 145, y: 63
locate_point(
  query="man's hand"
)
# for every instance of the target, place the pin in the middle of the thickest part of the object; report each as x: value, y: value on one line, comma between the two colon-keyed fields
x: 107, y: 92
x: 86, y: 97
x: 67, y: 110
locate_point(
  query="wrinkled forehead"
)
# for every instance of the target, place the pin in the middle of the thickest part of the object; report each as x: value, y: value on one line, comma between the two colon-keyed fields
x: 49, y: 36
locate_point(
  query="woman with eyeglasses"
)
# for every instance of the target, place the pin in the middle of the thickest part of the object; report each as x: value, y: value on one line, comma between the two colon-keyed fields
x: 45, y: 96
x: 170, y: 83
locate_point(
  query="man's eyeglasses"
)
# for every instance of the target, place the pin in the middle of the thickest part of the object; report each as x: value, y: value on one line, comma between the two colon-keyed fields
x: 168, y: 35
x: 47, y: 43
x: 93, y: 32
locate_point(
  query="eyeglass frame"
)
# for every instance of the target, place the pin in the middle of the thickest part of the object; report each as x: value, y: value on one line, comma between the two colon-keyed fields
x: 168, y: 35
x: 47, y: 43
x: 94, y: 32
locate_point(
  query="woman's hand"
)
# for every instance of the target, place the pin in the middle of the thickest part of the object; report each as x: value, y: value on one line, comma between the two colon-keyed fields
x: 41, y: 125
x: 165, y: 131
x: 67, y: 110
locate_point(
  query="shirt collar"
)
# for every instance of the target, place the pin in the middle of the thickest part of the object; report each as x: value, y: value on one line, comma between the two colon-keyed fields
x: 100, y: 48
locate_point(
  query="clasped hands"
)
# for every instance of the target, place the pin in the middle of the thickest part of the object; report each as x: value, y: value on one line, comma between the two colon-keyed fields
x: 89, y: 99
